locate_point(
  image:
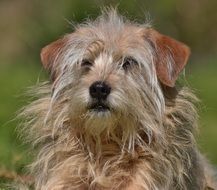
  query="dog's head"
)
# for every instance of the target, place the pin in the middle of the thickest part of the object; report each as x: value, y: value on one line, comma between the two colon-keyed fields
x: 111, y: 72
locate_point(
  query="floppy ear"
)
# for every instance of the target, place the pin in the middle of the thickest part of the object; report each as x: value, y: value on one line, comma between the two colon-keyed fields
x: 170, y: 56
x: 50, y: 54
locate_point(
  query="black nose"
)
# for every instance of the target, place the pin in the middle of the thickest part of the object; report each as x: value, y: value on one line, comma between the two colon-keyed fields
x: 99, y: 90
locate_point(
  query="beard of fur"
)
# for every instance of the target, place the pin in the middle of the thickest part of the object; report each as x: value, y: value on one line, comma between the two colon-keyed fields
x: 73, y: 145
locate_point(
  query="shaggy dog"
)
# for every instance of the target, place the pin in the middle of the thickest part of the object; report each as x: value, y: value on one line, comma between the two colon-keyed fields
x: 111, y: 117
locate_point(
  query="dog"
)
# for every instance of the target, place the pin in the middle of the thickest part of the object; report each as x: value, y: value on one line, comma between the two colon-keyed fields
x: 112, y: 116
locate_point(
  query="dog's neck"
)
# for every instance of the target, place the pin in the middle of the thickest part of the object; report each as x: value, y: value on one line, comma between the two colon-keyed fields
x: 115, y: 142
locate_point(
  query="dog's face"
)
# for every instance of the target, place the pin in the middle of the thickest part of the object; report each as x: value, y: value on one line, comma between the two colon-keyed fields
x: 111, y: 73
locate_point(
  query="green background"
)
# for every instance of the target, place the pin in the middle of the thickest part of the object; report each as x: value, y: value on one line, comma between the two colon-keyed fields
x: 26, y: 26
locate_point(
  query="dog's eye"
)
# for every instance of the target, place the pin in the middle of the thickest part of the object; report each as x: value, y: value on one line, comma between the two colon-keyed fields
x: 86, y: 63
x: 128, y: 63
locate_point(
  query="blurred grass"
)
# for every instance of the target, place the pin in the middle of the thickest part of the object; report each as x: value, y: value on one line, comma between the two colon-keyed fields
x: 203, y: 79
x: 14, y: 155
x: 14, y: 79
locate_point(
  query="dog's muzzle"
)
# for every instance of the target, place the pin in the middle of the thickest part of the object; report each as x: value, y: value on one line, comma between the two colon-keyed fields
x: 99, y: 92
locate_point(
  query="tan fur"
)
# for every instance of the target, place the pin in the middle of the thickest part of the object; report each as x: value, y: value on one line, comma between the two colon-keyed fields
x: 146, y: 141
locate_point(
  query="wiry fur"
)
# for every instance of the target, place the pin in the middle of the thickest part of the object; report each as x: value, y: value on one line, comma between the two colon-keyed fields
x: 146, y: 141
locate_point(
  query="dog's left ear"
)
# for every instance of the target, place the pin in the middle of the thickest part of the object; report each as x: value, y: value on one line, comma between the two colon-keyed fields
x: 170, y: 56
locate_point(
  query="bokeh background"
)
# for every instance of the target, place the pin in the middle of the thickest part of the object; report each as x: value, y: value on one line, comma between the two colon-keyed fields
x: 28, y: 25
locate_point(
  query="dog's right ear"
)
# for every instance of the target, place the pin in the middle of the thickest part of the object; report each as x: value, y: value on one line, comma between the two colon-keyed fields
x: 50, y: 54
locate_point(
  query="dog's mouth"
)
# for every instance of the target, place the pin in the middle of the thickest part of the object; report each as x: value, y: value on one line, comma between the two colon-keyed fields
x: 99, y: 107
